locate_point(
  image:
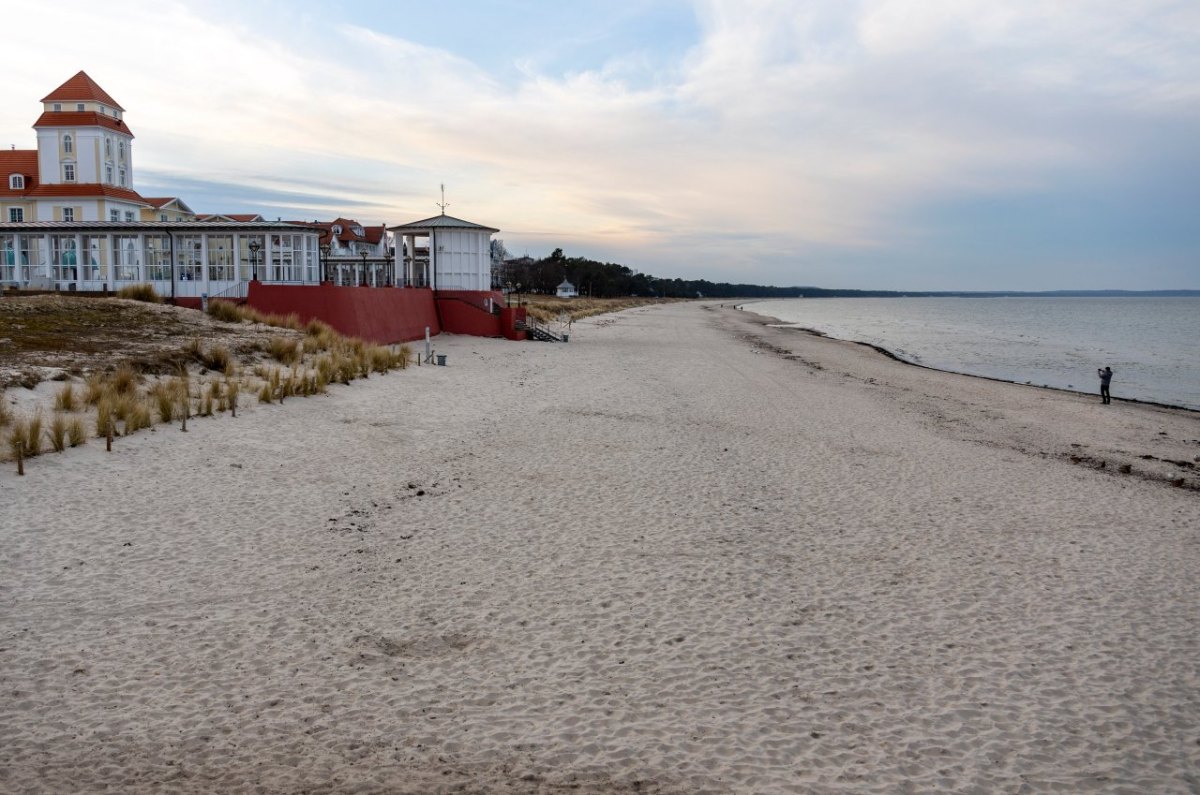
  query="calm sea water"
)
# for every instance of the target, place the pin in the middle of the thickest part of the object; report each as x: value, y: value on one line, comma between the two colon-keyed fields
x: 1152, y: 344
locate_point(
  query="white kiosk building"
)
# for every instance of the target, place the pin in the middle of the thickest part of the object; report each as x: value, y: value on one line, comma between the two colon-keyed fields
x: 445, y: 253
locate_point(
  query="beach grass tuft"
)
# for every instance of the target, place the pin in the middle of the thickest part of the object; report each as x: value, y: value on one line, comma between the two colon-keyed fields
x: 57, y: 432
x: 76, y: 434
x: 140, y: 292
x: 66, y: 399
x: 225, y: 311
x: 33, y: 434
x: 284, y: 350
x: 104, y: 417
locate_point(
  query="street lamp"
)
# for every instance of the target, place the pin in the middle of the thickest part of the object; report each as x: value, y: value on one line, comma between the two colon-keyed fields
x: 325, y: 249
x: 363, y: 254
x: 508, y: 293
x: 254, y: 247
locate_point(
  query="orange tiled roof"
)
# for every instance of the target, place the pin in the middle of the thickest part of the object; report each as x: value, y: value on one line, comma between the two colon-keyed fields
x: 159, y: 202
x: 81, y: 88
x: 18, y: 161
x: 86, y: 118
x: 89, y: 190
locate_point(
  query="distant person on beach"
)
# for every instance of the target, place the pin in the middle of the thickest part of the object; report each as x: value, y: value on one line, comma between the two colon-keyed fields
x: 1105, y: 380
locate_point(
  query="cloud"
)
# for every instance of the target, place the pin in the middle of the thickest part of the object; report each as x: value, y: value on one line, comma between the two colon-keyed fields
x: 782, y: 137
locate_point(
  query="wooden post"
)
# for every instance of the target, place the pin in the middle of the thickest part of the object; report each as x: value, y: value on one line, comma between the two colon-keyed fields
x: 108, y: 435
x: 21, y: 457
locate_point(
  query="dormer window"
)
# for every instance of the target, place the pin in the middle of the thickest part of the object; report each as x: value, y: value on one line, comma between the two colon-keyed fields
x: 79, y: 107
x: 68, y: 145
x: 16, y: 182
x: 57, y: 107
x: 337, y: 230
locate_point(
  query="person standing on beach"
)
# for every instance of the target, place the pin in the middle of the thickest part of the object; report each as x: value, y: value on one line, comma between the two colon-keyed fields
x: 1105, y: 380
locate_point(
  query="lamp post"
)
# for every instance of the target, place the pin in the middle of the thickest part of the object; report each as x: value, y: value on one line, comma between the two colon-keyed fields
x: 508, y: 293
x: 388, y: 276
x: 325, y: 248
x: 254, y: 247
x: 363, y: 254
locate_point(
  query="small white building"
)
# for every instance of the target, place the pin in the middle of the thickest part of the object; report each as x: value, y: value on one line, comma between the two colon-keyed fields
x: 567, y: 290
x: 445, y: 253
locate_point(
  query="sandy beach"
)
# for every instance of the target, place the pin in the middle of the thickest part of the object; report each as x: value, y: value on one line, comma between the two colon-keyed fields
x: 685, y: 552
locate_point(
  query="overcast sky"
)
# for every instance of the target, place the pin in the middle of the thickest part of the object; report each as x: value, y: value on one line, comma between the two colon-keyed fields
x: 897, y: 144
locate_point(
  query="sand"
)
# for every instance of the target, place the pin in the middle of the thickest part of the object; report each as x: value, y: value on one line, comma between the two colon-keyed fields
x: 683, y: 553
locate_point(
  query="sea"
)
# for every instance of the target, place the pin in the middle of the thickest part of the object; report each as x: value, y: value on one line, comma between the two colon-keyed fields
x: 1152, y: 344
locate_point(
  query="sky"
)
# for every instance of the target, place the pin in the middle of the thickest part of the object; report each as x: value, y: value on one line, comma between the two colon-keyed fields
x: 872, y: 144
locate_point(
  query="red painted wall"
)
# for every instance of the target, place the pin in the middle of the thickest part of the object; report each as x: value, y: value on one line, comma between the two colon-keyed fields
x: 376, y: 314
x: 466, y: 312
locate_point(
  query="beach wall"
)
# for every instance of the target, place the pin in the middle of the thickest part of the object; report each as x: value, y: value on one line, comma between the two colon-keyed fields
x: 477, y: 313
x: 376, y: 314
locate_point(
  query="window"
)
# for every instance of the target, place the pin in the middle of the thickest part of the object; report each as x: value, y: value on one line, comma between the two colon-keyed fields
x: 128, y: 215
x: 68, y: 213
x: 114, y: 215
x: 108, y: 149
x: 57, y: 106
x: 68, y: 144
x: 16, y: 215
x: 162, y: 216
x: 16, y: 182
x: 68, y: 172
x: 79, y: 107
x: 122, y: 176
x: 121, y: 150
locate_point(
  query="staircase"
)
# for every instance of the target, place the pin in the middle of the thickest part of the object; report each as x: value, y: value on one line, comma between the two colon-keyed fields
x: 538, y: 331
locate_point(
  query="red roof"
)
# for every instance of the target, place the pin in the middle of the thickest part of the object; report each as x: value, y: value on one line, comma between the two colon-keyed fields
x: 86, y: 118
x: 18, y: 161
x: 90, y: 190
x: 371, y: 234
x: 81, y: 88
x: 158, y: 203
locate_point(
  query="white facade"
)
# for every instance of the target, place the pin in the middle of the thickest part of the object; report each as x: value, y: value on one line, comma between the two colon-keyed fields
x: 181, y: 259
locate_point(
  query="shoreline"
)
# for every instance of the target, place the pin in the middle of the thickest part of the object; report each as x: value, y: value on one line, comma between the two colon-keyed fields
x: 779, y: 323
x: 684, y: 553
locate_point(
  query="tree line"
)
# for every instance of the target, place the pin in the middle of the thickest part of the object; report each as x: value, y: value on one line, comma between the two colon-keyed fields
x: 611, y: 280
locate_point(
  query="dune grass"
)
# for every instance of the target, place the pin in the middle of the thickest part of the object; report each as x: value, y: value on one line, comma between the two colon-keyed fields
x: 548, y: 308
x: 140, y: 292
x: 122, y: 401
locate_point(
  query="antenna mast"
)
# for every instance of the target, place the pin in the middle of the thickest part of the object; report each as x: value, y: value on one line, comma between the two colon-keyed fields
x: 443, y: 203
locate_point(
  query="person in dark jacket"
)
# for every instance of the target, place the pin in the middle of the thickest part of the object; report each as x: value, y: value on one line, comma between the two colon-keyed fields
x: 1105, y: 380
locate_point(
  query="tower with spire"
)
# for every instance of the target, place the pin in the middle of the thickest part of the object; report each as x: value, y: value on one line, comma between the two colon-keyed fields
x: 83, y: 168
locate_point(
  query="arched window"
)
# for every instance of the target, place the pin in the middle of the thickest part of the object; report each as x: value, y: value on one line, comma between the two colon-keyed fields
x: 68, y: 144
x: 108, y: 147
x: 16, y: 182
x: 121, y: 150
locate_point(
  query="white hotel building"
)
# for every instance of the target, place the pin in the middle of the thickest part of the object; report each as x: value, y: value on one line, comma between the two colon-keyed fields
x: 71, y: 220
